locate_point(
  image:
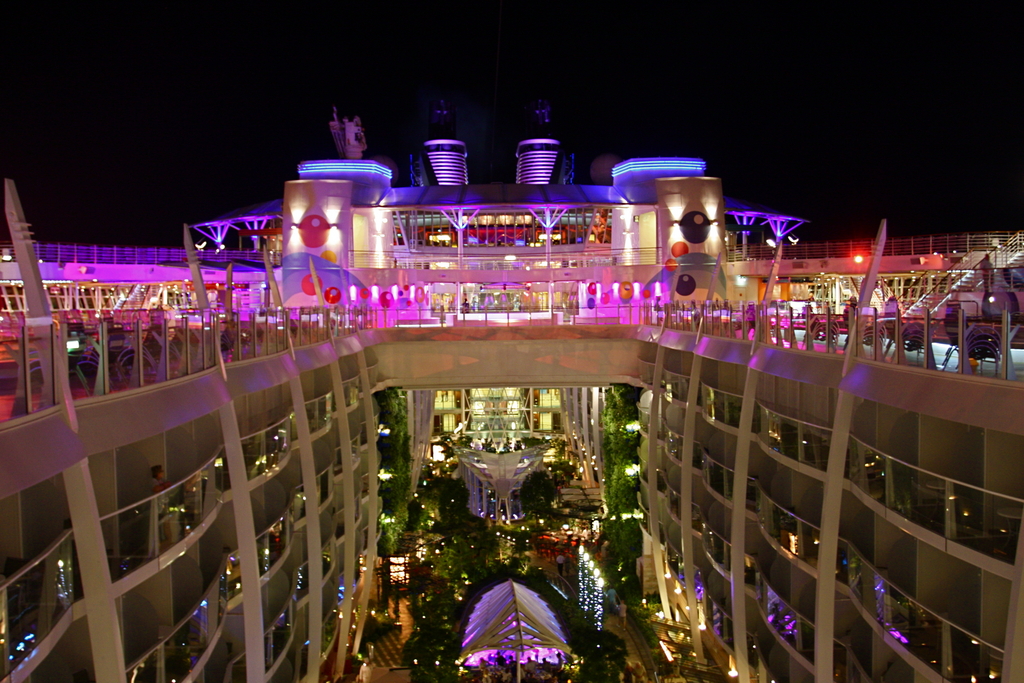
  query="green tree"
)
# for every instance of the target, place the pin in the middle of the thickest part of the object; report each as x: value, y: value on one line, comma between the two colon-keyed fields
x: 622, y: 526
x: 538, y: 493
x: 395, y: 467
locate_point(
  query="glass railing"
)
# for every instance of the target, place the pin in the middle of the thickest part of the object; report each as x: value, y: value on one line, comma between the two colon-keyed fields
x: 721, y: 406
x: 302, y: 581
x: 795, y: 439
x: 986, y: 335
x: 717, y: 476
x: 950, y: 651
x: 646, y: 372
x: 674, y: 447
x: 323, y: 486
x: 319, y: 411
x: 351, y: 389
x: 272, y: 544
x: 278, y: 637
x: 784, y: 620
x: 264, y: 450
x: 721, y: 622
x: 326, y: 555
x: 676, y: 386
x: 33, y: 600
x: 330, y: 626
x: 720, y: 479
x: 716, y: 546
x: 793, y: 534
x: 143, y: 530
x: 110, y: 351
x: 232, y: 577
x: 175, y: 658
x: 971, y: 516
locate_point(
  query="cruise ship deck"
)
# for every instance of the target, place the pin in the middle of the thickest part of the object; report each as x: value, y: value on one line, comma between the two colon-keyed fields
x: 190, y: 469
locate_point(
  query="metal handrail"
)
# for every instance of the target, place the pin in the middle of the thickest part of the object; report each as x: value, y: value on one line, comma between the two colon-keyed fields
x: 167, y: 490
x: 936, y: 475
x: 36, y: 560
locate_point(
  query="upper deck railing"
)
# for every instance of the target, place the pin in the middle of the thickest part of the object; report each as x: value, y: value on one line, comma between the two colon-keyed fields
x: 59, y: 252
x: 89, y: 353
x: 519, y: 258
x: 917, y: 245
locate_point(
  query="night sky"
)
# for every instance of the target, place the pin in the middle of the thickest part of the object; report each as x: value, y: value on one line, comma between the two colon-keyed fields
x: 120, y: 125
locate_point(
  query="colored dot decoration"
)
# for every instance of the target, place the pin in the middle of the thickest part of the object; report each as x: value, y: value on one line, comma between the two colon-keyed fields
x: 332, y: 295
x: 680, y: 248
x: 626, y: 291
x: 329, y: 255
x: 671, y: 265
x: 313, y: 231
x: 592, y: 288
x: 696, y: 227
x: 686, y: 285
x: 307, y: 284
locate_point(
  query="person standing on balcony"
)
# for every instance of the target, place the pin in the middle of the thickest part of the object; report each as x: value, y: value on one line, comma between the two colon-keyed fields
x: 159, y: 483
x: 985, y: 266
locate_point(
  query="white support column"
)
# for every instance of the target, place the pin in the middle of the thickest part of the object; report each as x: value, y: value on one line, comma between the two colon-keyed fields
x: 653, y: 465
x: 348, y: 556
x: 373, y: 511
x: 104, y: 626
x: 584, y: 432
x: 738, y: 532
x: 832, y: 498
x: 245, y: 531
x: 686, y: 502
x: 1013, y: 661
x: 314, y: 551
x: 828, y: 548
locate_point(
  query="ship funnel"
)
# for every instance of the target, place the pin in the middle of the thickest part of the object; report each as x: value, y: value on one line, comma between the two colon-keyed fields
x: 443, y: 161
x: 540, y: 160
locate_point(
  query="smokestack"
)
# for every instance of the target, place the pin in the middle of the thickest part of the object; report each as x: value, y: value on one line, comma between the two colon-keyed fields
x: 443, y: 160
x: 540, y: 160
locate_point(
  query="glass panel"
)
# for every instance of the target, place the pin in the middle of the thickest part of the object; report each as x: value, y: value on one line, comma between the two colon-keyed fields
x: 144, y: 530
x: 34, y: 600
x: 264, y: 450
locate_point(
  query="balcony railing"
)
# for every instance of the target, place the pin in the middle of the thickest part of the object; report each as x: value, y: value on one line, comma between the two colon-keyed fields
x: 34, y: 599
x: 952, y: 652
x: 272, y: 544
x: 264, y: 450
x: 177, y: 656
x: 721, y: 406
x: 969, y: 515
x: 141, y: 531
x: 784, y: 620
x: 113, y: 351
x: 918, y: 245
x: 794, y: 438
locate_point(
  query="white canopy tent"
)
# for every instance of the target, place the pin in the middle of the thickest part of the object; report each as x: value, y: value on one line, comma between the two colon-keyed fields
x: 512, y: 618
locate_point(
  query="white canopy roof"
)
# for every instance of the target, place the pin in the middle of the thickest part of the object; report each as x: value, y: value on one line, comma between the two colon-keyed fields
x: 510, y: 616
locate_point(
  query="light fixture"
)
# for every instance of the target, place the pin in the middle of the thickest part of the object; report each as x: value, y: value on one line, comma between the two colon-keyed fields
x: 770, y: 242
x: 792, y: 239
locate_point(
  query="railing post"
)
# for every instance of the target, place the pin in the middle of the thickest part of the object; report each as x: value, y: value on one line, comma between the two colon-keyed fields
x: 103, y: 365
x: 963, y: 353
x: 26, y: 368
x: 137, y: 356
x: 188, y: 346
x: 1005, y: 348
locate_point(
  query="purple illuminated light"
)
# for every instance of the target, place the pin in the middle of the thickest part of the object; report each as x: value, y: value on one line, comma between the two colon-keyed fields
x: 344, y: 166
x: 673, y: 165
